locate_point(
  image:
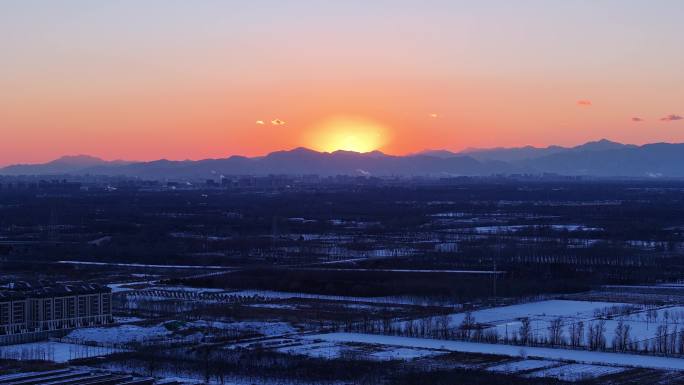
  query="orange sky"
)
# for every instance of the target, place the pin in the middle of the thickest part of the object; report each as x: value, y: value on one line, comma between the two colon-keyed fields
x: 144, y: 80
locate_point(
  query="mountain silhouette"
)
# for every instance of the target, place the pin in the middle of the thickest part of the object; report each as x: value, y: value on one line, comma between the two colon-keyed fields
x: 65, y: 165
x: 602, y: 158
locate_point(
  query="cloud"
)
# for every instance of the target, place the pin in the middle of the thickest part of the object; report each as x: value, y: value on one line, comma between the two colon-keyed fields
x: 277, y: 122
x: 260, y: 122
x: 584, y: 103
x: 433, y: 115
x: 637, y: 119
x: 671, y: 118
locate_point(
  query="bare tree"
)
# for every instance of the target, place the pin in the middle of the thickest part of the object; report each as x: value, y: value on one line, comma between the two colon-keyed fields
x: 596, y: 337
x: 621, y: 339
x: 661, y: 337
x: 467, y: 325
x: 525, y: 331
x: 556, y: 332
x: 576, y: 334
x: 680, y: 349
x: 443, y: 326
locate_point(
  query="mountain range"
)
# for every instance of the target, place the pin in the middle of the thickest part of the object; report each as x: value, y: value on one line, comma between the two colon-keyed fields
x: 601, y: 158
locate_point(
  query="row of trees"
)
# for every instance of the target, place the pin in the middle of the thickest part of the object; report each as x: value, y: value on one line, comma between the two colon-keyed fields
x: 592, y: 335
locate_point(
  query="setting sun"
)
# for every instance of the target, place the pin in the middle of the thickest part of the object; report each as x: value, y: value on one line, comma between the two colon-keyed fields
x: 348, y: 134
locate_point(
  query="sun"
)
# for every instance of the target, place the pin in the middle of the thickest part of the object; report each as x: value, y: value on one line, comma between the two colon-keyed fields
x: 347, y: 134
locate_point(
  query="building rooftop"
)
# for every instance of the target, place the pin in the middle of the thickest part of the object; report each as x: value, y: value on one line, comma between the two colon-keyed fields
x: 24, y: 289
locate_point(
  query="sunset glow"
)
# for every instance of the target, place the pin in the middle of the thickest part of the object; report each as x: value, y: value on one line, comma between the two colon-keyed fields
x: 213, y: 78
x: 348, y: 134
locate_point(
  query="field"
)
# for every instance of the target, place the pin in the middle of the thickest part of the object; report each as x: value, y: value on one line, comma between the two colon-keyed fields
x: 500, y: 282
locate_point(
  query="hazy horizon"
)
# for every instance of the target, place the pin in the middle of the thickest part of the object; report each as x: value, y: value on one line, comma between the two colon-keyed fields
x: 464, y: 151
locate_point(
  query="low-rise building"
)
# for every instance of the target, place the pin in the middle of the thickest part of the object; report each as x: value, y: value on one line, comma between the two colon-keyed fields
x: 40, y: 308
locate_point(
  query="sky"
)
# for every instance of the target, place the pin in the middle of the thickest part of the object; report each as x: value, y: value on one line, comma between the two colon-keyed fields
x: 151, y: 79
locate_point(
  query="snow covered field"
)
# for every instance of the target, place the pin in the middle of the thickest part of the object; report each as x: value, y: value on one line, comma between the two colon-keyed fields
x: 522, y: 366
x: 514, y: 228
x: 334, y: 350
x: 211, y: 296
x: 176, y: 331
x: 53, y: 351
x: 576, y: 372
x: 405, y: 354
x: 643, y: 322
x: 144, y: 265
x: 579, y: 356
x: 149, y: 285
x: 326, y: 350
x: 556, y: 369
x: 126, y: 286
x: 119, y: 334
x: 266, y: 328
x: 540, y: 313
x: 286, y: 295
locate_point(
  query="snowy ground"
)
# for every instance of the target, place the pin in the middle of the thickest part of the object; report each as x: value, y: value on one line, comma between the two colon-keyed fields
x: 212, y: 296
x: 334, y: 350
x: 579, y: 356
x: 151, y: 291
x: 279, y: 306
x: 176, y: 331
x: 507, y: 319
x: 266, y: 328
x: 576, y: 372
x: 538, y: 312
x: 327, y: 350
x: 127, y: 320
x: 268, y: 294
x: 515, y: 228
x: 189, y: 289
x: 400, y: 353
x: 119, y: 334
x: 193, y: 267
x: 126, y: 286
x: 522, y: 366
x: 53, y: 351
x: 149, y: 285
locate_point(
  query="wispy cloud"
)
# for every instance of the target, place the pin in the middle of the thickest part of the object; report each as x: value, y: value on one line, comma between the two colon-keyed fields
x: 277, y: 122
x: 584, y: 103
x: 433, y: 115
x: 637, y: 119
x: 671, y: 118
x: 260, y: 122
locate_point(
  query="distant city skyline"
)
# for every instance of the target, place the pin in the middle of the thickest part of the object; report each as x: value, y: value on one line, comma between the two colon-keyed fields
x: 151, y: 79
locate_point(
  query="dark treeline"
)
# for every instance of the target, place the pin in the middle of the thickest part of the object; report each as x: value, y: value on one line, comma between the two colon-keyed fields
x: 257, y: 366
x: 456, y: 287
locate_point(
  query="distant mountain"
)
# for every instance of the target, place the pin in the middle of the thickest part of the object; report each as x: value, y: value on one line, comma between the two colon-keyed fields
x: 511, y: 154
x: 650, y: 160
x: 70, y: 164
x: 600, y: 158
x: 602, y: 145
x: 304, y: 161
x: 439, y: 153
x: 530, y: 152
